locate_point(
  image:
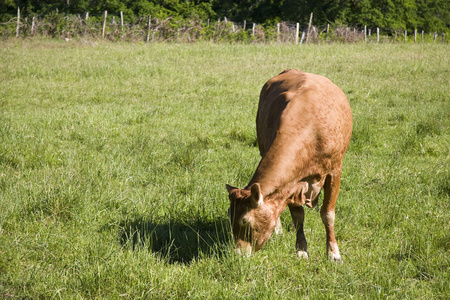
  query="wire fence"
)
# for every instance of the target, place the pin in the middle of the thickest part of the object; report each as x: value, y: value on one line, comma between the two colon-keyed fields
x: 148, y: 29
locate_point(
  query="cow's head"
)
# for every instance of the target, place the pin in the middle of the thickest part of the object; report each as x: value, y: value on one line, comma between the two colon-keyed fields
x: 252, y: 219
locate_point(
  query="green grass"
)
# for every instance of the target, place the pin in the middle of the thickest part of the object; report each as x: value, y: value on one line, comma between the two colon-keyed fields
x: 114, y: 157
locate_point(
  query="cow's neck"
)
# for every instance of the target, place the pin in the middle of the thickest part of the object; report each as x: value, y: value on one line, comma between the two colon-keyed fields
x: 278, y: 173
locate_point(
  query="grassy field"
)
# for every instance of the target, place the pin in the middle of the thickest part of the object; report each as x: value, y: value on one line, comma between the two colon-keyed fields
x: 114, y: 158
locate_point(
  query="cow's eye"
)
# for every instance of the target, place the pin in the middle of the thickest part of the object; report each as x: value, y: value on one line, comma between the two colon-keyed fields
x: 244, y: 221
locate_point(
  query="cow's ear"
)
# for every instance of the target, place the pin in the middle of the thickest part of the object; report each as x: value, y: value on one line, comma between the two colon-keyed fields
x: 233, y: 193
x: 257, y: 197
x: 229, y: 188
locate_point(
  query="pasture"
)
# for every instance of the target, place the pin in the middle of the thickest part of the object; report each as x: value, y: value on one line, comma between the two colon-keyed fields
x: 114, y: 160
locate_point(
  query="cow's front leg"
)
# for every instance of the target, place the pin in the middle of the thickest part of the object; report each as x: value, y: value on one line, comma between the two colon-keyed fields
x: 298, y: 217
x: 331, y: 191
x: 278, y: 227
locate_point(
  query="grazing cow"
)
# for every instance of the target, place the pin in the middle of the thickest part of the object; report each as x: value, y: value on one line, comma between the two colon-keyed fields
x: 304, y: 125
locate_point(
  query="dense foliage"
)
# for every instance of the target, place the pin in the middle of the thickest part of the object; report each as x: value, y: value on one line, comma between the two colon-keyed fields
x: 428, y: 15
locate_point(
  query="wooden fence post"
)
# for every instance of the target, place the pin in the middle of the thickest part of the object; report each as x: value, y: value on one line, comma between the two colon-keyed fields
x: 86, y: 17
x: 406, y: 34
x: 33, y: 26
x: 18, y: 22
x: 297, y: 29
x: 278, y: 32
x: 104, y: 24
x: 253, y: 29
x: 434, y: 38
x: 303, y: 36
x: 365, y: 33
x: 309, y: 28
x: 415, y: 35
x: 245, y: 25
x: 378, y: 34
x: 148, y: 28
x: 121, y: 20
x: 328, y: 30
x: 443, y: 37
x: 421, y: 36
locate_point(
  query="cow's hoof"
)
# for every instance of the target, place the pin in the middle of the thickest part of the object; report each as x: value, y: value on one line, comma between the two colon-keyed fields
x: 244, y: 253
x: 335, y: 258
x: 302, y: 254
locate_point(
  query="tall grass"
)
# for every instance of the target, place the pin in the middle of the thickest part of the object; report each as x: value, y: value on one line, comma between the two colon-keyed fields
x: 113, y: 160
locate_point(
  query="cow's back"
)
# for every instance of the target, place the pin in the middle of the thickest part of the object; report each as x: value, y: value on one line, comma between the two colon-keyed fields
x: 305, y: 113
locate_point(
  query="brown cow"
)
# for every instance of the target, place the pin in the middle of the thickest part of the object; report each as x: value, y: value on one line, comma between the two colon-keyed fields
x: 304, y: 125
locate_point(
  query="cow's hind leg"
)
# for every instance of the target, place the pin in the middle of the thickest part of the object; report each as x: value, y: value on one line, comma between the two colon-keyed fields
x: 298, y: 217
x: 331, y: 191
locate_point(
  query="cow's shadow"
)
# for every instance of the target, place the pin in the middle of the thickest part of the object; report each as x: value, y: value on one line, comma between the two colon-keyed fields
x: 177, y: 241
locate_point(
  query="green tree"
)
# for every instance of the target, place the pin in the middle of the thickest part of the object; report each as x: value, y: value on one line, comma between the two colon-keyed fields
x: 363, y: 13
x: 434, y: 15
x: 7, y: 7
x: 428, y: 15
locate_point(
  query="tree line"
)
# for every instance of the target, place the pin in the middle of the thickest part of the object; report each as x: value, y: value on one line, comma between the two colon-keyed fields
x: 427, y: 15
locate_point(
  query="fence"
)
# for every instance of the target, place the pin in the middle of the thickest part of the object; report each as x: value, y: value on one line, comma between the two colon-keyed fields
x: 148, y: 29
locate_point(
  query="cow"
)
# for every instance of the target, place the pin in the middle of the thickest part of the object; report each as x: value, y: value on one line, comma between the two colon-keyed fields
x: 304, y: 125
